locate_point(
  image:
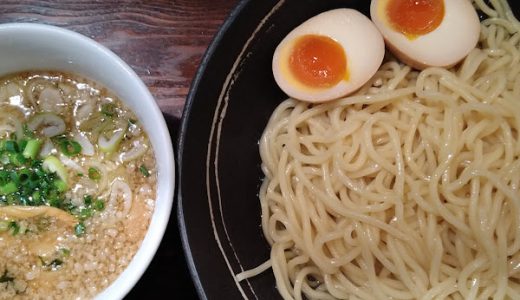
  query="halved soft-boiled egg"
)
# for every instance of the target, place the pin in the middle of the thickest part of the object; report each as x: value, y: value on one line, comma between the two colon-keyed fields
x: 426, y: 33
x: 328, y: 56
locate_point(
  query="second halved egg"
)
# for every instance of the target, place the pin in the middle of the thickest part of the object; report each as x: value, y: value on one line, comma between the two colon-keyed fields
x: 328, y: 56
x: 425, y: 33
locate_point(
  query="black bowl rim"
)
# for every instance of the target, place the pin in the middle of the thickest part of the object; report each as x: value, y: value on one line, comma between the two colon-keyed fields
x: 201, y: 70
x: 230, y: 20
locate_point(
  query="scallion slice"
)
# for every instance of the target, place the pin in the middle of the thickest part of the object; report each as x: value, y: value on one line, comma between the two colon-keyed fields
x: 144, y: 171
x: 69, y: 147
x: 32, y: 148
x: 94, y: 174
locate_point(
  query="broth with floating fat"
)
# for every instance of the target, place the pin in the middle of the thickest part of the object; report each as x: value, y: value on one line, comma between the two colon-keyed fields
x: 77, y: 186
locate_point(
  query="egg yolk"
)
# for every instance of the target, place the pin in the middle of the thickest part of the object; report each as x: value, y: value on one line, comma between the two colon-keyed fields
x: 415, y: 17
x: 318, y: 61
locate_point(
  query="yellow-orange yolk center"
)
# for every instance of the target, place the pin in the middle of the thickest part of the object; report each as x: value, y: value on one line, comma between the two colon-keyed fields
x: 318, y: 61
x: 415, y: 17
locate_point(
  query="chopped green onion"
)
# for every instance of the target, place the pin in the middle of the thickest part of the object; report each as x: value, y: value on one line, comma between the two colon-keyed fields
x: 94, y: 173
x: 79, y: 229
x: 21, y: 145
x: 69, y: 147
x: 60, y: 185
x: 55, y: 263
x: 24, y: 177
x: 29, y: 181
x: 108, y: 109
x: 54, y: 200
x: 27, y: 132
x: 87, y: 199
x: 65, y: 252
x: 32, y: 148
x: 144, y: 171
x: 11, y: 199
x: 8, y: 188
x: 99, y: 205
x: 85, y: 213
x: 36, y: 196
x: 14, y: 228
x: 11, y: 146
x: 53, y: 164
x: 13, y: 136
x: 4, y: 159
x: 4, y: 176
x: 111, y: 144
x: 17, y: 159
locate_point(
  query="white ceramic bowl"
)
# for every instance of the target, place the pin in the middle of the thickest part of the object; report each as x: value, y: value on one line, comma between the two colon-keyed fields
x: 42, y: 47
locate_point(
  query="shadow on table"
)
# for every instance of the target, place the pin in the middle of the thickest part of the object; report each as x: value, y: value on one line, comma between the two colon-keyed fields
x: 168, y: 272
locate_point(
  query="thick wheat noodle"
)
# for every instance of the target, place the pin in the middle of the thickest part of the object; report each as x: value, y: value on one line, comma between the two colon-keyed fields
x: 408, y: 189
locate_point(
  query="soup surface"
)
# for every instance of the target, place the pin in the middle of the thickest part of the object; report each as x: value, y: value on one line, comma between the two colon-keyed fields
x: 77, y: 186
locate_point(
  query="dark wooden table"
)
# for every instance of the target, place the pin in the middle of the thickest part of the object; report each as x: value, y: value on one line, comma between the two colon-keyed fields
x: 163, y: 41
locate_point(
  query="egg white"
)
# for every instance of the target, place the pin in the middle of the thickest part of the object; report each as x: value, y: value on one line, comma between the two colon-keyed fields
x: 446, y: 45
x: 363, y: 45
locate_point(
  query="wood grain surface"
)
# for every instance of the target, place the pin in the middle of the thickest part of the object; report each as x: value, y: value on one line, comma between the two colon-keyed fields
x: 163, y: 41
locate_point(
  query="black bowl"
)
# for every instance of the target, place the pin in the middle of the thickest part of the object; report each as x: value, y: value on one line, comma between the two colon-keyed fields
x: 231, y: 99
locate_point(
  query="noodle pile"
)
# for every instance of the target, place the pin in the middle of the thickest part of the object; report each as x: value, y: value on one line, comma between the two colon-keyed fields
x: 408, y: 189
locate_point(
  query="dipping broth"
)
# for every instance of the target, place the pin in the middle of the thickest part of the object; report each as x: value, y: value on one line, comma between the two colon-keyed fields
x: 77, y: 186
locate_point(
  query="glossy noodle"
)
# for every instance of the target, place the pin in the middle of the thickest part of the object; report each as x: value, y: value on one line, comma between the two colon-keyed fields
x: 408, y: 189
